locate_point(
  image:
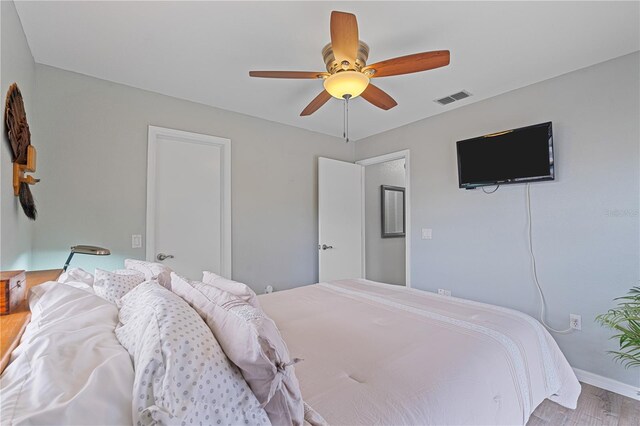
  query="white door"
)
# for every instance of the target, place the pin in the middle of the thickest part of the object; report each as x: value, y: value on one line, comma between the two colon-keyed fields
x: 340, y: 219
x: 189, y: 202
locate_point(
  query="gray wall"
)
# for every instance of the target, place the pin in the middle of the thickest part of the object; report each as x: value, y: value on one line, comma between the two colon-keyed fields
x: 385, y: 261
x: 94, y: 177
x: 17, y: 66
x: 585, y: 223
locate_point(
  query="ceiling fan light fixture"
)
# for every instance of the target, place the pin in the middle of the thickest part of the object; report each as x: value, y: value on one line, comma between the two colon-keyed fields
x: 343, y: 83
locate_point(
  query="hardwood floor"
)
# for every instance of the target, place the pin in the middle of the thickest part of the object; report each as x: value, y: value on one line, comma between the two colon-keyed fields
x: 595, y: 407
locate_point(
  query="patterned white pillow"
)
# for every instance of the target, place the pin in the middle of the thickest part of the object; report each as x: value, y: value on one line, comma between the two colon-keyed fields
x: 182, y: 376
x: 112, y: 286
x: 151, y: 270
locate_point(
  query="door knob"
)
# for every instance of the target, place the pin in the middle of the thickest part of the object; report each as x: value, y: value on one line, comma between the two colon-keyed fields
x: 326, y: 247
x: 162, y: 256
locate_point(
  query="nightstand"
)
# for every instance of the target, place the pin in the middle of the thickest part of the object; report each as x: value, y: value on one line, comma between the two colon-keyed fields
x: 13, y: 325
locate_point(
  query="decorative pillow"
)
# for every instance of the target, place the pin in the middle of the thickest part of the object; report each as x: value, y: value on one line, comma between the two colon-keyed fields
x: 241, y: 290
x: 112, y: 286
x: 182, y: 376
x: 252, y: 341
x: 76, y: 275
x: 151, y: 271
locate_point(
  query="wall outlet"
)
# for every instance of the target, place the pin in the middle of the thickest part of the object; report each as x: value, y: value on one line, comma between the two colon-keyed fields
x: 443, y: 292
x: 427, y: 233
x: 136, y: 241
x: 268, y: 289
x: 575, y: 322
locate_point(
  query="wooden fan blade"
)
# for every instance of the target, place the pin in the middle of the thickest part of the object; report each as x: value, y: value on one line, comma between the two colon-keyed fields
x: 410, y: 63
x: 288, y: 74
x: 316, y: 103
x: 344, y: 37
x: 378, y: 97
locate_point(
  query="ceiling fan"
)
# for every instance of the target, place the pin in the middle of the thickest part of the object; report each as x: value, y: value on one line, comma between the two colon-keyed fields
x: 348, y: 74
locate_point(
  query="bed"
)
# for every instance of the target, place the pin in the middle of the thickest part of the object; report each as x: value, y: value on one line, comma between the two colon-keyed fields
x: 383, y: 354
x: 373, y: 354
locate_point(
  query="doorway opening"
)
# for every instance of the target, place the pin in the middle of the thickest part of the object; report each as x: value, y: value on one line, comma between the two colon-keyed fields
x: 386, y: 228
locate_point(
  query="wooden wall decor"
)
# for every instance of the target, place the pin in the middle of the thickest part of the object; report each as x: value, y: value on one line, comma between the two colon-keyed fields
x: 24, y: 154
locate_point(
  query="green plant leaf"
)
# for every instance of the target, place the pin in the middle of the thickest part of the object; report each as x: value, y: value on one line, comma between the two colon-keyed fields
x: 625, y: 320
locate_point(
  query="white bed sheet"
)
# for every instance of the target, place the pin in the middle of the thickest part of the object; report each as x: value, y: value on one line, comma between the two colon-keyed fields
x: 382, y: 354
x: 69, y: 368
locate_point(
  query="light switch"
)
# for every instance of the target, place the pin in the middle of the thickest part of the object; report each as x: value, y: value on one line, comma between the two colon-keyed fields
x: 426, y: 233
x: 136, y: 241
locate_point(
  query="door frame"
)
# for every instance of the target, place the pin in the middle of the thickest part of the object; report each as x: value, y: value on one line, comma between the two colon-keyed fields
x: 407, y: 179
x: 225, y: 176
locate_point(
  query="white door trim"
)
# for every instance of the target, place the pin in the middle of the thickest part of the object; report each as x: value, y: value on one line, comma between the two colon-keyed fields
x: 225, y: 176
x: 407, y: 240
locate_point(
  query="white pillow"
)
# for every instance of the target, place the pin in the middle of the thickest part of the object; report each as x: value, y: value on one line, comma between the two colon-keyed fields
x: 151, y: 271
x: 76, y: 275
x: 240, y: 290
x: 252, y: 341
x: 182, y: 376
x: 112, y: 286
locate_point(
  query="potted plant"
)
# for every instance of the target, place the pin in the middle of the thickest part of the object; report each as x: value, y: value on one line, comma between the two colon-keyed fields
x: 625, y: 320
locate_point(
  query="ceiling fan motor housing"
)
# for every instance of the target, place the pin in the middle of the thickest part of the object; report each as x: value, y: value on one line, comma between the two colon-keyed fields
x: 333, y: 66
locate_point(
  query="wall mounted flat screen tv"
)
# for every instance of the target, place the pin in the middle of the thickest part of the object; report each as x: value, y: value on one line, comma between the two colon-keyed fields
x: 513, y: 156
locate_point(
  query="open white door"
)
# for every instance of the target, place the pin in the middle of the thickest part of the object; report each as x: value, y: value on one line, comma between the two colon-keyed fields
x: 189, y: 202
x: 340, y: 220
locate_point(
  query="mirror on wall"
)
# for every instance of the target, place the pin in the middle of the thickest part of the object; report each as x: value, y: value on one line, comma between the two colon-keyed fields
x: 393, y: 217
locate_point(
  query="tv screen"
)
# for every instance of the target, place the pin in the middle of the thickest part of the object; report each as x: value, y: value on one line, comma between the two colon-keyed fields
x: 513, y: 156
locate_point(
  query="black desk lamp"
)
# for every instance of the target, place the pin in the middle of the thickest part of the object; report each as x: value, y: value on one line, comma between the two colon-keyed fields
x: 92, y: 250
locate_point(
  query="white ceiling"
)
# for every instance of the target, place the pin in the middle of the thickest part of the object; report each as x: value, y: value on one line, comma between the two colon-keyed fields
x: 203, y: 51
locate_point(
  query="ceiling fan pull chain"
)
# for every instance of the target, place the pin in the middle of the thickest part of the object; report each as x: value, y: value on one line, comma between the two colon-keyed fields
x: 346, y: 118
x: 347, y: 105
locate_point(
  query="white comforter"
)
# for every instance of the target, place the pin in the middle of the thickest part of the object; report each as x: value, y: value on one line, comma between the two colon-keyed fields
x: 382, y: 354
x: 69, y: 368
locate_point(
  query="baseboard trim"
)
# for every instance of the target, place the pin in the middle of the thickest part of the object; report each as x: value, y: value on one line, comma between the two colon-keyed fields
x: 608, y: 384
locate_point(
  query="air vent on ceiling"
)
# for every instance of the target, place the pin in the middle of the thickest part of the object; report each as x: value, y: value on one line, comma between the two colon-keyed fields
x: 452, y: 98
